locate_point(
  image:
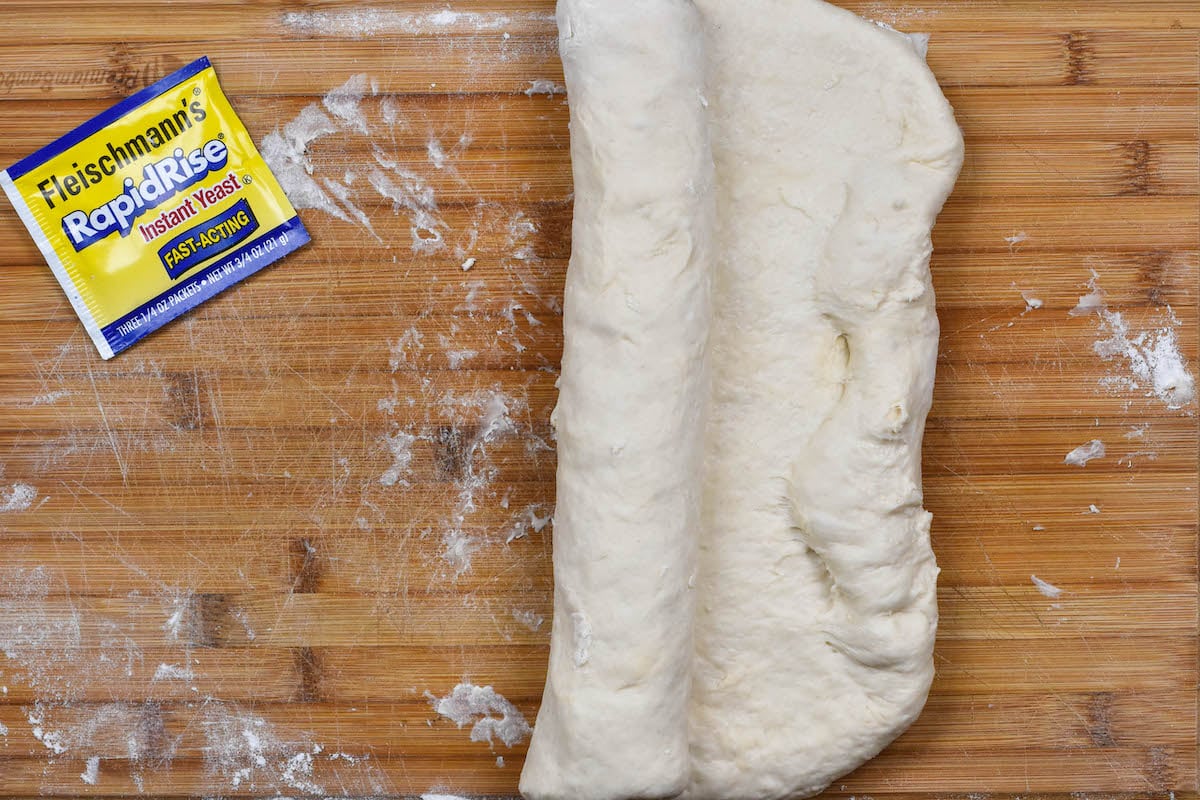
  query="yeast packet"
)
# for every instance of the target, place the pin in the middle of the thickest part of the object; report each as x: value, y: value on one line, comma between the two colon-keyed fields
x: 153, y: 207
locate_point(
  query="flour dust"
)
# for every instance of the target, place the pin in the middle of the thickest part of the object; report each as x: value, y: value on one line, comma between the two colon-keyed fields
x: 488, y: 713
x: 1146, y: 360
x: 491, y: 317
x: 365, y: 23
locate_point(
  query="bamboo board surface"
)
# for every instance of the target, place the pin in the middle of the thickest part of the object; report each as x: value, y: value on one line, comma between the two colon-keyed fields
x: 231, y: 582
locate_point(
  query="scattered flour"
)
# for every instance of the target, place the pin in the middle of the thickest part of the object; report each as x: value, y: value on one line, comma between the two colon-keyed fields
x: 416, y: 197
x: 400, y: 445
x: 1130, y: 459
x: 1048, y: 589
x: 1152, y: 357
x: 405, y: 349
x: 248, y: 753
x: 173, y: 672
x: 91, y: 774
x: 60, y: 655
x: 1092, y: 303
x: 437, y: 156
x: 342, y: 112
x: 456, y: 358
x: 1138, y: 431
x: 477, y: 469
x: 1031, y: 303
x: 18, y: 497
x: 531, y: 520
x: 490, y: 715
x: 1081, y: 455
x: 544, y: 86
x: 345, y: 102
x: 364, y: 23
x: 50, y: 398
x: 530, y: 619
x: 287, y: 154
x: 1016, y: 239
x: 437, y: 796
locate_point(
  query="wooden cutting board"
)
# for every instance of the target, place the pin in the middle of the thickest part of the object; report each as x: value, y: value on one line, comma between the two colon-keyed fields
x: 237, y: 574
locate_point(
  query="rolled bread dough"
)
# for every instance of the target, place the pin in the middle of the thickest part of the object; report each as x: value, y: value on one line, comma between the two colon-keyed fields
x: 631, y: 408
x: 815, y: 609
x: 835, y: 149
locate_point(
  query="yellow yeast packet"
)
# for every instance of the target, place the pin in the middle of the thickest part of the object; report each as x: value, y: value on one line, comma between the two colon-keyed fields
x: 153, y: 207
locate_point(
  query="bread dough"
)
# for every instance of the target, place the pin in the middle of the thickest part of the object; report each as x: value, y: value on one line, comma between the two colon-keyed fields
x: 834, y: 150
x: 630, y: 415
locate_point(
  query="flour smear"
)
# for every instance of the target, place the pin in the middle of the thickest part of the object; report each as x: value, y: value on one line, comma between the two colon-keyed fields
x: 66, y: 652
x: 1146, y: 360
x: 368, y: 22
x: 467, y: 427
x: 1081, y: 455
x: 488, y: 713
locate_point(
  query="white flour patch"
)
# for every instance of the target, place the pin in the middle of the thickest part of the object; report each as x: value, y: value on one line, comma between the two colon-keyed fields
x: 248, y: 753
x: 437, y: 156
x: 400, y: 445
x: 44, y: 642
x: 1138, y: 432
x: 18, y: 497
x: 439, y: 796
x: 534, y: 519
x: 1152, y: 356
x: 464, y: 427
x: 91, y: 773
x: 1031, y: 303
x: 489, y: 714
x: 456, y: 358
x: 1154, y: 366
x: 1081, y: 455
x: 1047, y: 589
x: 1091, y: 303
x: 345, y: 102
x: 405, y: 349
x: 889, y: 14
x: 369, y: 22
x: 173, y: 672
x: 3, y: 729
x: 544, y: 86
x: 530, y: 619
x: 411, y: 194
x: 1016, y: 239
x: 478, y: 471
x: 50, y: 398
x: 180, y: 613
x: 286, y: 152
x: 139, y: 728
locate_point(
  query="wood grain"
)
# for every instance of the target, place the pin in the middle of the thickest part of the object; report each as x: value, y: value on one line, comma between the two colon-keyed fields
x: 212, y: 573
